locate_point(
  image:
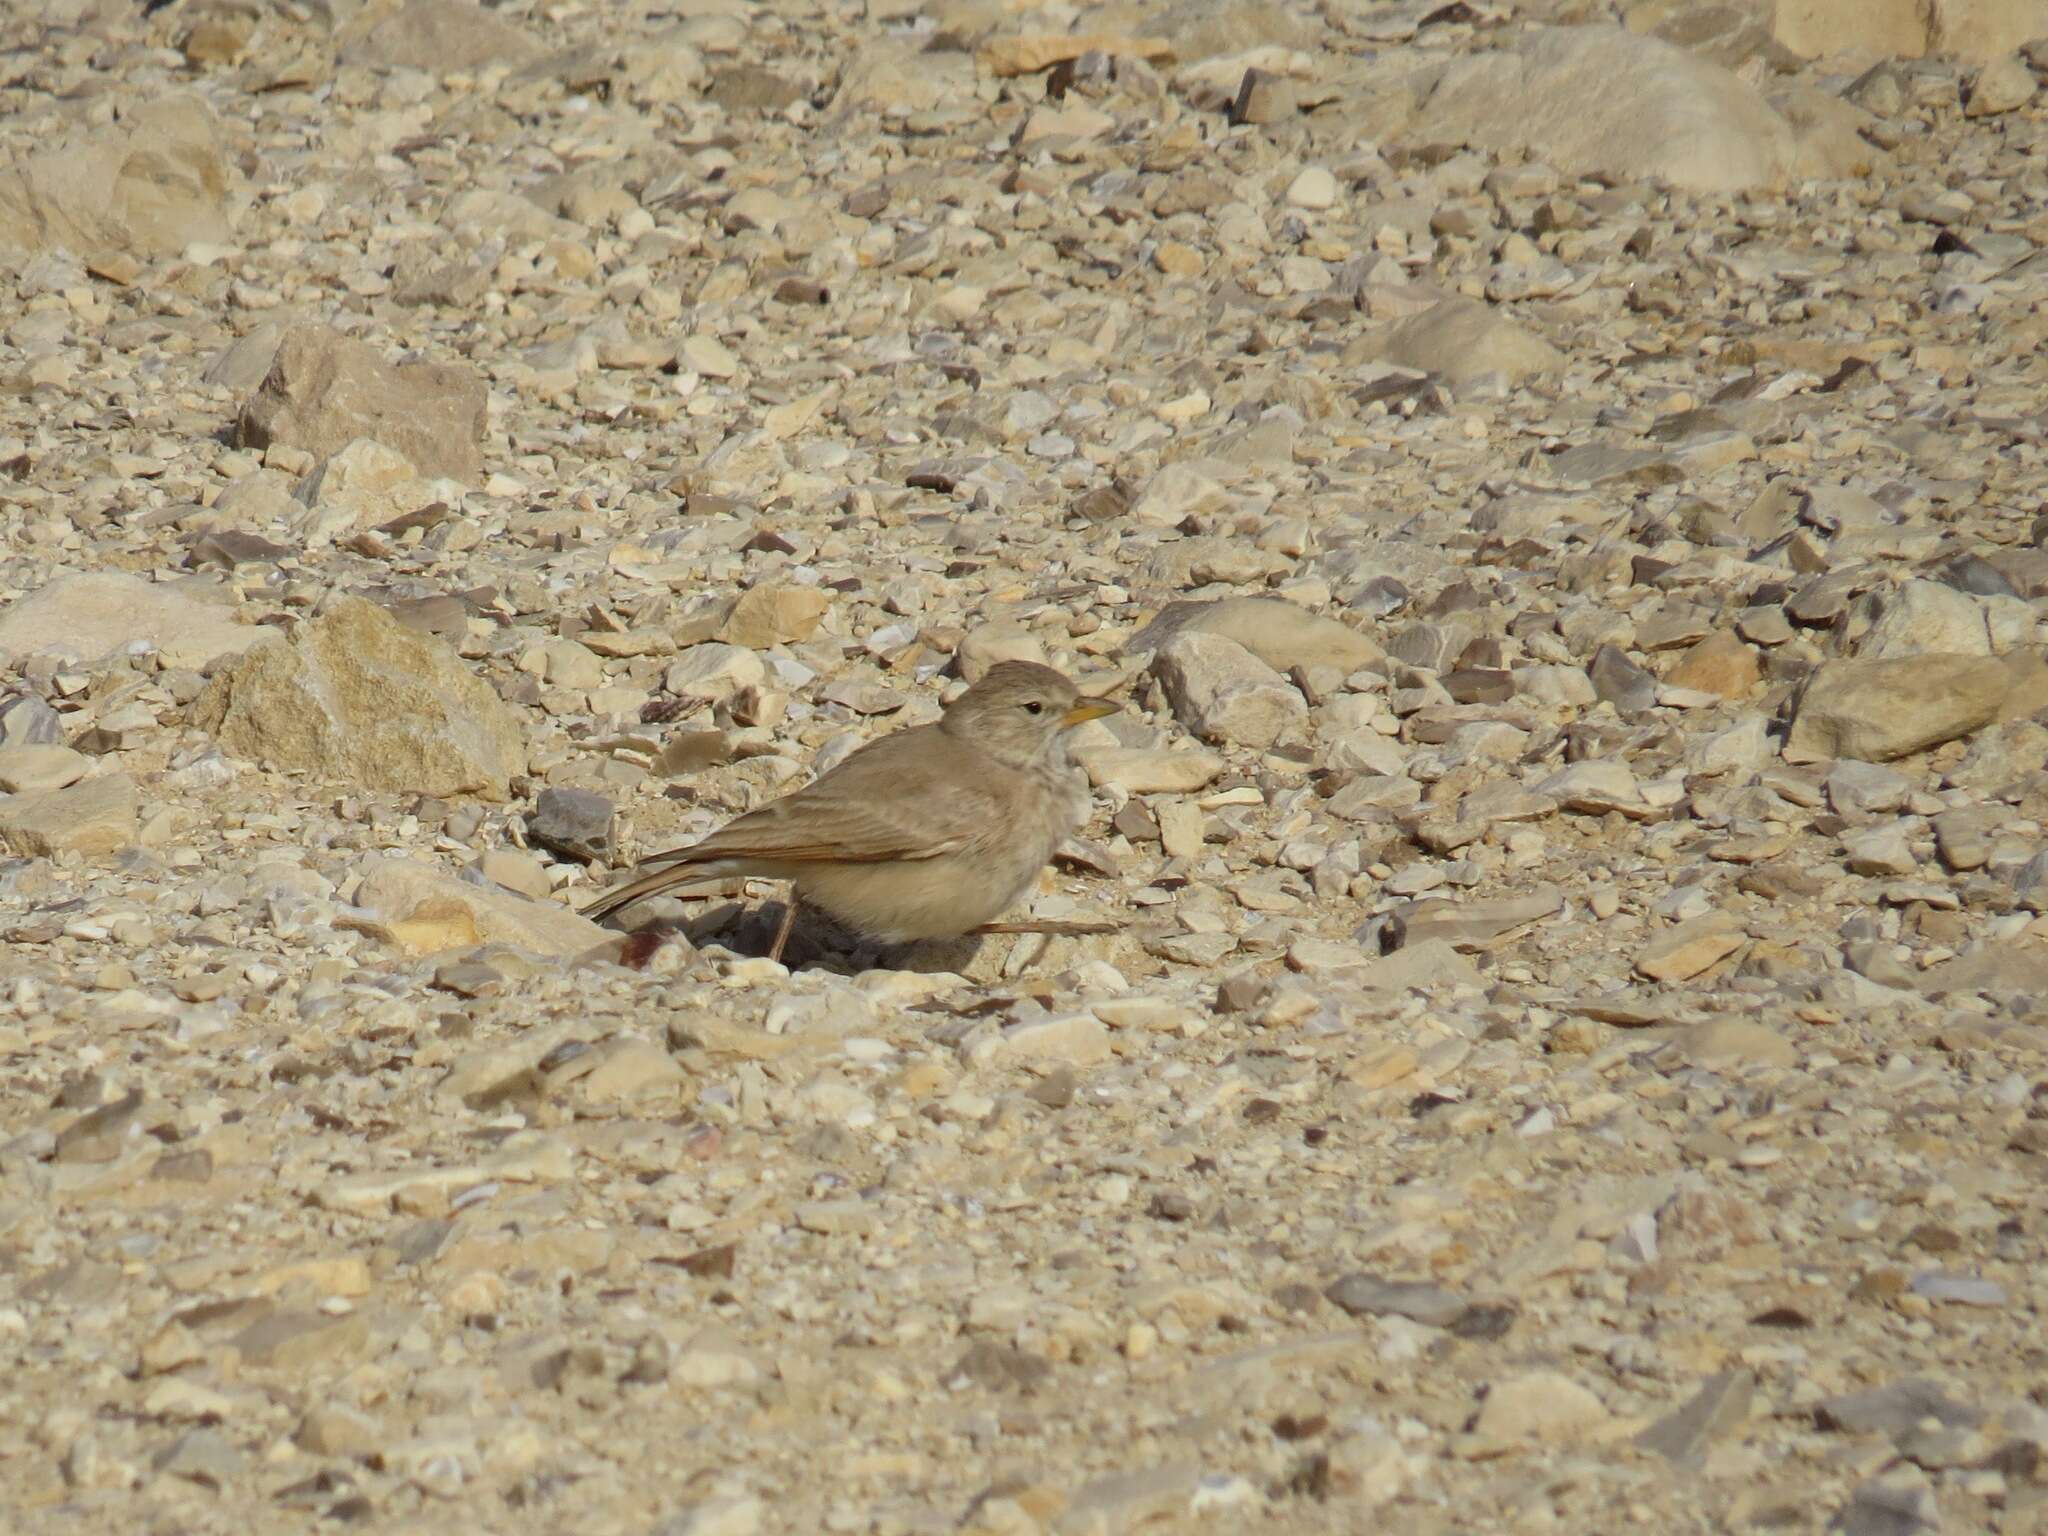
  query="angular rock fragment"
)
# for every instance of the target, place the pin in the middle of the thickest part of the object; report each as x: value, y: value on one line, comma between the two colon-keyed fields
x: 1279, y: 633
x: 573, y: 822
x: 774, y: 614
x: 1718, y: 1409
x: 325, y: 390
x: 423, y: 911
x: 356, y: 697
x: 1719, y: 664
x: 162, y: 181
x: 1599, y: 99
x: 1543, y: 1406
x: 1225, y: 694
x: 1687, y: 950
x: 26, y: 721
x: 1881, y: 710
x: 1927, y: 616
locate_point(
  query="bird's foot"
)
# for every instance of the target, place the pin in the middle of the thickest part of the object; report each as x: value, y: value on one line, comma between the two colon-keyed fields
x: 1054, y: 926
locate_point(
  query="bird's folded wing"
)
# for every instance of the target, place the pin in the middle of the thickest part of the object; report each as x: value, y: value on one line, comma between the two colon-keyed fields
x: 814, y: 827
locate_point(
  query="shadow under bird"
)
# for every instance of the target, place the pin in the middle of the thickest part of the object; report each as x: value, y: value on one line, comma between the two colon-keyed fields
x: 928, y: 833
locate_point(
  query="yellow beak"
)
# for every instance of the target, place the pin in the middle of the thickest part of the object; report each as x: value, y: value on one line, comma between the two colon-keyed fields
x: 1086, y: 710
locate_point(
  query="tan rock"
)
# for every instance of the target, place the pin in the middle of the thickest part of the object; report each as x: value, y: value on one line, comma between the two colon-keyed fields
x: 1064, y: 1040
x: 2003, y: 85
x: 709, y: 356
x: 1149, y: 771
x: 1598, y: 99
x: 335, y: 1429
x: 1182, y: 489
x: 91, y: 616
x: 622, y: 1071
x: 1720, y: 664
x: 1382, y: 1068
x: 1543, y: 1405
x: 1690, y: 948
x: 361, y: 486
x: 1596, y: 786
x: 516, y: 870
x: 35, y: 769
x: 299, y: 1341
x: 1906, y: 29
x: 421, y: 910
x: 162, y: 181
x: 1281, y: 634
x: 1815, y: 28
x: 982, y: 647
x: 1181, y: 828
x: 95, y: 816
x: 325, y: 390
x: 356, y: 697
x: 775, y: 613
x: 1880, y: 710
x: 1077, y: 121
x: 1422, y: 964
x: 1225, y: 694
x: 1927, y: 617
x: 526, y: 1158
x: 1718, y: 1044
x: 348, y: 1275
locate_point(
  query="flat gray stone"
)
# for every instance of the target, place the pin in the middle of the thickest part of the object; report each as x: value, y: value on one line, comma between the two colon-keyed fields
x: 1364, y: 1295
x: 1894, y: 1408
x: 1719, y: 1407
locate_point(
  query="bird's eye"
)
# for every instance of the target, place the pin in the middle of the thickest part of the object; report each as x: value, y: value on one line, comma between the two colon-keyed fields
x: 1034, y: 708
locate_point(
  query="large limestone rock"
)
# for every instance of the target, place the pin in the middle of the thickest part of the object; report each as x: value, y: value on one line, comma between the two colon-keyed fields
x: 95, y: 615
x: 1926, y: 617
x: 1811, y: 28
x: 1879, y: 710
x: 1970, y: 29
x: 1276, y: 631
x: 356, y: 697
x: 324, y: 391
x: 161, y: 181
x: 1600, y: 100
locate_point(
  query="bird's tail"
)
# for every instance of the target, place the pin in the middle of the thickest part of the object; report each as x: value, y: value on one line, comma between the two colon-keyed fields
x: 679, y: 873
x: 620, y: 897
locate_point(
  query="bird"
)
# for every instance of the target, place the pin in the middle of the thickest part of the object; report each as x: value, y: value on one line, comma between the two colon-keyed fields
x: 928, y: 833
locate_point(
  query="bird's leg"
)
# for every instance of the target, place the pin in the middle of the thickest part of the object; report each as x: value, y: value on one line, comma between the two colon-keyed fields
x: 1049, y: 925
x: 782, y: 933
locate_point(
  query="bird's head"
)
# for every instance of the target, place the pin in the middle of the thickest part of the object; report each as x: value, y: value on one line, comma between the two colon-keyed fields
x: 1017, y: 712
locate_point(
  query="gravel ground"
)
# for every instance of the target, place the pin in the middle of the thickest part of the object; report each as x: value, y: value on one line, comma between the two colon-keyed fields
x: 1558, y: 490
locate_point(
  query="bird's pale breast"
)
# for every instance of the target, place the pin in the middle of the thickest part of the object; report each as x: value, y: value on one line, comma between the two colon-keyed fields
x: 1030, y: 814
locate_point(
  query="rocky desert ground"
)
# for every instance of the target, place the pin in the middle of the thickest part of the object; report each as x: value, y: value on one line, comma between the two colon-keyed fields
x: 1559, y: 490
